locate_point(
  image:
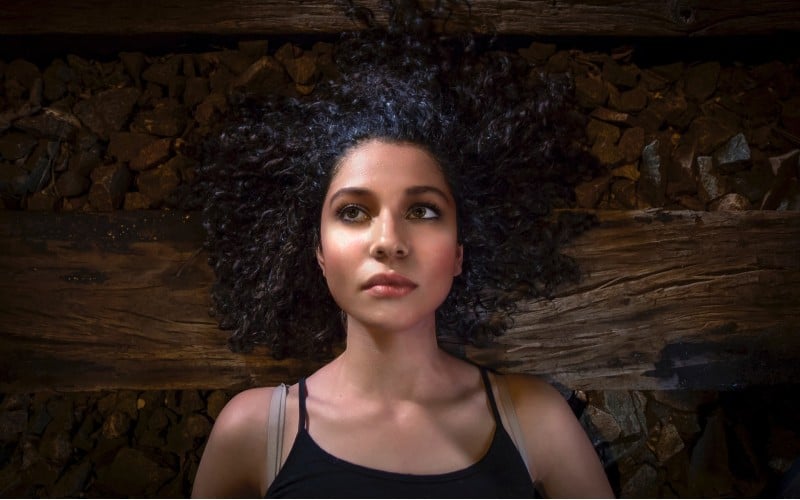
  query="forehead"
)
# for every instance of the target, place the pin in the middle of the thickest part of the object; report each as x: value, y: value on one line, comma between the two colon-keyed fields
x: 386, y: 164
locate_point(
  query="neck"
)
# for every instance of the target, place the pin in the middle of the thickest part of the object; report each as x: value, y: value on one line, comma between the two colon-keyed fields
x: 396, y: 364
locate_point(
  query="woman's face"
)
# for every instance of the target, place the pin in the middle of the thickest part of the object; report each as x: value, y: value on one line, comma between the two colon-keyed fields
x: 388, y: 239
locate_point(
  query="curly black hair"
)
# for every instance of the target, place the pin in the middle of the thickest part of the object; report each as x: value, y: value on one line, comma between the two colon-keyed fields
x: 505, y: 135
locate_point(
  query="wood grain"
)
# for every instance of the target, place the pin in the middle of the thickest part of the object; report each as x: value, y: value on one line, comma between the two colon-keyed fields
x: 652, y: 18
x: 669, y: 300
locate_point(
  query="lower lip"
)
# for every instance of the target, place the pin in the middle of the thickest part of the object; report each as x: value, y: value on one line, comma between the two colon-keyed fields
x: 389, y: 291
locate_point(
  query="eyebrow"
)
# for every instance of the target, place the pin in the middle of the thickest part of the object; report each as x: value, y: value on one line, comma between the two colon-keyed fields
x: 411, y: 191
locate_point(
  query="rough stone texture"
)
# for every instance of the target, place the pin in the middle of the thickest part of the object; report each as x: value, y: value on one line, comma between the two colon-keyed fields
x: 167, y: 119
x: 109, y: 185
x: 108, y: 111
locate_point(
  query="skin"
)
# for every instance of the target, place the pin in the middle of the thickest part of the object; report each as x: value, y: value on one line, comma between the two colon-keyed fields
x: 389, y: 251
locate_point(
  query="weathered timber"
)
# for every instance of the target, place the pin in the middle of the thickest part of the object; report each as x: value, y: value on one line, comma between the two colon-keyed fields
x: 531, y: 17
x: 669, y: 300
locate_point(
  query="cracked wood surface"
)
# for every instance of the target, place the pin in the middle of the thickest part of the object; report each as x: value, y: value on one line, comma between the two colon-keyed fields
x: 651, y: 18
x: 669, y: 300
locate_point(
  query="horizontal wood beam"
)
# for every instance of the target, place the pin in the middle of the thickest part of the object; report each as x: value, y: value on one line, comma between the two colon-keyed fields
x: 626, y: 18
x: 669, y: 300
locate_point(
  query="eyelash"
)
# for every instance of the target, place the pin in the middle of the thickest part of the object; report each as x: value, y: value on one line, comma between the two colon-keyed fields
x: 340, y: 212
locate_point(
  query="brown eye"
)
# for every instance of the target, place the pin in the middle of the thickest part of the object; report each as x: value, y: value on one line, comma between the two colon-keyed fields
x: 423, y: 212
x: 352, y: 213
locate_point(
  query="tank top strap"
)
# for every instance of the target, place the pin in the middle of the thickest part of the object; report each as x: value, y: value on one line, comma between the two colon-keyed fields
x: 301, y: 422
x: 487, y: 384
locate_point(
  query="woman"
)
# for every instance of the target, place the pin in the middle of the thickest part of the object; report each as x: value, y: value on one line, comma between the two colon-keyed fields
x: 403, y: 204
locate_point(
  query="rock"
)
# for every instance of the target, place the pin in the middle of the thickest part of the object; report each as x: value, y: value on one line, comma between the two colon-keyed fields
x: 71, y: 184
x: 167, y: 119
x: 631, y: 144
x: 264, y: 77
x: 786, y: 166
x: 678, y: 112
x: 628, y: 171
x: 56, y: 78
x: 708, y: 134
x: 158, y: 183
x: 84, y: 438
x: 589, y: 193
x: 606, y: 427
x: 653, y: 81
x: 710, y: 185
x: 176, y: 87
x: 195, y: 92
x: 208, y: 111
x: 16, y: 145
x: 42, y: 201
x: 197, y: 426
x: 108, y: 111
x: 607, y: 153
x: 642, y: 484
x: 39, y: 165
x: 709, y: 475
x: 151, y: 155
x: 652, y: 183
x: 733, y: 156
x: 604, y: 137
x: 12, y: 424
x: 537, y: 52
x: 116, y: 425
x: 625, y: 76
x: 133, y: 473
x: 216, y: 401
x: 190, y: 401
x: 701, y: 80
x: 590, y: 91
x: 137, y: 201
x: 669, y: 443
x: 109, y: 184
x: 125, y: 146
x: 786, y: 170
x: 71, y: 484
x: 633, y: 101
x: 51, y: 124
x: 731, y: 202
x: 23, y: 72
x: 610, y: 116
x: 56, y: 447
x: 624, y: 193
x: 133, y: 62
x: 681, y: 170
x: 84, y: 162
x: 235, y: 60
x: 600, y: 131
x: 302, y: 68
x: 253, y: 48
x: 162, y: 72
x: 669, y: 72
x: 621, y: 406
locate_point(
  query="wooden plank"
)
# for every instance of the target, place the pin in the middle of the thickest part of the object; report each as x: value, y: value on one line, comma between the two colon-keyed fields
x: 652, y: 18
x: 670, y: 300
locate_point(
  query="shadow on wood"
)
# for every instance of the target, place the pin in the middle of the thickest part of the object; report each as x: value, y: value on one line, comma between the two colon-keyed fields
x: 669, y: 300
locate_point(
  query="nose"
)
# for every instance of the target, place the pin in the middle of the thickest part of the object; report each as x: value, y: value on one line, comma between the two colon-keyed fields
x: 388, y: 240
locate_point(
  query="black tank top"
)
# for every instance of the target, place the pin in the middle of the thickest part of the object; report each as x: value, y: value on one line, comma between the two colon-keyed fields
x: 311, y: 472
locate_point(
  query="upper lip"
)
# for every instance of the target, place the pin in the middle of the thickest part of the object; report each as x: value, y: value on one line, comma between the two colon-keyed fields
x: 389, y: 279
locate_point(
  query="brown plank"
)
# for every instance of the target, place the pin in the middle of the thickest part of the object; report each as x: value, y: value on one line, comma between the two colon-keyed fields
x: 530, y: 17
x: 687, y: 300
x: 669, y: 300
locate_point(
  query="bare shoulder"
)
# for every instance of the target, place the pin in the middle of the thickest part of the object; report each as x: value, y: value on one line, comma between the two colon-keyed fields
x: 235, y: 453
x: 562, y: 458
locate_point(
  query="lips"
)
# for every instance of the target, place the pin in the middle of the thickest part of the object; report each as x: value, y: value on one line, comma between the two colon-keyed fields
x: 389, y: 285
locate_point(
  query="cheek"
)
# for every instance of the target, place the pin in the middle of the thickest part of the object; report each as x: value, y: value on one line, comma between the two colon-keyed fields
x: 339, y: 250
